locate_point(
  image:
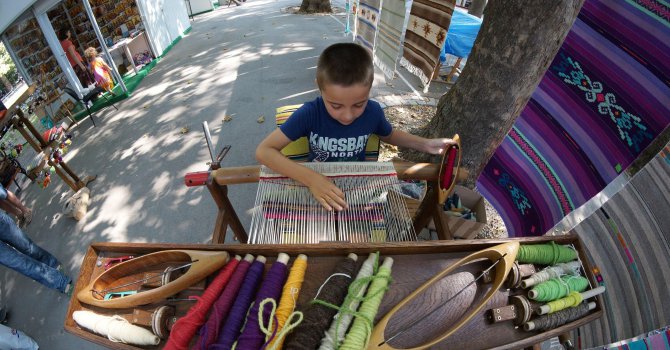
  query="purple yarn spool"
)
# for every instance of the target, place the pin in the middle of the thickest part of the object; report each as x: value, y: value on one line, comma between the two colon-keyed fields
x: 210, y: 330
x: 231, y: 328
x: 252, y: 338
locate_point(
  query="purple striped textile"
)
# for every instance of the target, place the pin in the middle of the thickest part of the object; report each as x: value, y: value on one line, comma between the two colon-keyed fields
x: 426, y: 31
x: 604, y: 99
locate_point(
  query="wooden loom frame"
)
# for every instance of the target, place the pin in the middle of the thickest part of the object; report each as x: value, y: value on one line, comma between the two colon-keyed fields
x: 430, y: 207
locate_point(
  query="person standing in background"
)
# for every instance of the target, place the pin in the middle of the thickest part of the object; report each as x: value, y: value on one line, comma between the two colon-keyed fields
x: 19, y: 253
x: 101, y: 71
x: 13, y: 205
x: 79, y: 66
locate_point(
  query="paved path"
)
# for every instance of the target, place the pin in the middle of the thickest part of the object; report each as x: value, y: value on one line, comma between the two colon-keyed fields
x: 239, y: 61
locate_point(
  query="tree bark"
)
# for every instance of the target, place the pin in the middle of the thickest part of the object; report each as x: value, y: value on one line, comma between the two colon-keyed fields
x: 6, y: 83
x: 477, y: 8
x: 516, y: 44
x: 315, y: 6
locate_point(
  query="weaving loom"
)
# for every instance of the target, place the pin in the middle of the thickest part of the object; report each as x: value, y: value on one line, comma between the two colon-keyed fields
x: 285, y: 211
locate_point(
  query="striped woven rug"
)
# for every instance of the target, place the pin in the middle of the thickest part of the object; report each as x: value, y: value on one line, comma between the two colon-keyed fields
x: 387, y: 46
x: 424, y: 37
x: 367, y: 18
x: 628, y: 240
x: 603, y: 100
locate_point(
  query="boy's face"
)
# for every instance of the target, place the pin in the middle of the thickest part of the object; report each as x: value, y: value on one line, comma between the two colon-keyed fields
x: 345, y: 103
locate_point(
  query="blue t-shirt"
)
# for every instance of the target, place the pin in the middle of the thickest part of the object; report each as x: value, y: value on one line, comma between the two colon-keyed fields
x: 330, y: 141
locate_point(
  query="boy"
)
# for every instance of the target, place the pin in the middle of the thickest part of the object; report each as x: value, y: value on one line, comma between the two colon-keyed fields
x: 337, y: 124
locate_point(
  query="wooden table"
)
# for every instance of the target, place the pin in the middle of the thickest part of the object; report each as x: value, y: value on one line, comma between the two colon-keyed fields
x: 414, y: 263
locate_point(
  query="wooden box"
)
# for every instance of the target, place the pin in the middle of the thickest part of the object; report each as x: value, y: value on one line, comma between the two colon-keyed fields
x: 414, y: 263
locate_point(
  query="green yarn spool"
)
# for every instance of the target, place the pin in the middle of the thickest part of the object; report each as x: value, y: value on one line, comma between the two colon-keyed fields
x: 359, y: 334
x: 572, y: 300
x: 557, y: 288
x: 545, y: 254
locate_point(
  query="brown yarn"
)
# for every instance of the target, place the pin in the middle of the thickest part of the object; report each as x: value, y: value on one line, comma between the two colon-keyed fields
x: 317, y: 317
x: 560, y: 318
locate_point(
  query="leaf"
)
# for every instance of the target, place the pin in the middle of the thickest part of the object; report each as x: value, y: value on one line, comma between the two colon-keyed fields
x: 227, y: 118
x: 184, y: 130
x: 261, y: 119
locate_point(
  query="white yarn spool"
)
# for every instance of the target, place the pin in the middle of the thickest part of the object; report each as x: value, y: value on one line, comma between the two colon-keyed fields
x: 341, y: 322
x: 115, y: 328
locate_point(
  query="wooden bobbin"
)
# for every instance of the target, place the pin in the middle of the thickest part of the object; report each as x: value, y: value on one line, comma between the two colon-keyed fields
x: 160, y: 319
x: 516, y: 274
x: 520, y: 311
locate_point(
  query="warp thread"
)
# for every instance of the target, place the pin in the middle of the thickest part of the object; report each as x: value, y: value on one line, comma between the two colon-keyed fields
x: 115, y: 328
x: 319, y: 313
x: 573, y: 299
x: 252, y: 338
x: 557, y: 288
x: 185, y: 328
x: 556, y: 271
x: 210, y: 331
x: 545, y: 254
x: 361, y: 330
x: 559, y: 318
x: 231, y: 328
x: 289, y: 298
x: 338, y: 328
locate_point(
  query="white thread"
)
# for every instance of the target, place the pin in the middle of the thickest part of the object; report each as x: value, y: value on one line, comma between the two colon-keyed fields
x: 115, y: 328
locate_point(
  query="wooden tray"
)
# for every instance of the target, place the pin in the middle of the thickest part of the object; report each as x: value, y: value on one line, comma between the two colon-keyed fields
x: 415, y: 262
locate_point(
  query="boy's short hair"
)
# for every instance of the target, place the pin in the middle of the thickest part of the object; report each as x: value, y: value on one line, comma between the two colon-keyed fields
x: 91, y: 52
x: 345, y: 64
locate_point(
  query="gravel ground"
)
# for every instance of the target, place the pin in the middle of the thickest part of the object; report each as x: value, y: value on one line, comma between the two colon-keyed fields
x: 410, y: 118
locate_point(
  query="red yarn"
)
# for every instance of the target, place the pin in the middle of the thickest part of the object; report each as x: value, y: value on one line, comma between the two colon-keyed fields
x: 184, y: 329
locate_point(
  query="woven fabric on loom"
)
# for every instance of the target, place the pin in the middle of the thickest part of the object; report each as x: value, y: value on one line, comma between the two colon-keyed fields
x: 603, y: 100
x: 387, y: 48
x: 424, y: 37
x: 367, y: 17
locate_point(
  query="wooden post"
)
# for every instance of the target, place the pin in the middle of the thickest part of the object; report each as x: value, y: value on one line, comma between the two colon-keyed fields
x: 226, y: 216
x: 23, y: 125
x: 431, y: 208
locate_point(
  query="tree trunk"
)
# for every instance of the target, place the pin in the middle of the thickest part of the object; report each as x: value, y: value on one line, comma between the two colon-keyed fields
x: 315, y: 6
x: 517, y: 42
x: 476, y: 8
x: 6, y: 83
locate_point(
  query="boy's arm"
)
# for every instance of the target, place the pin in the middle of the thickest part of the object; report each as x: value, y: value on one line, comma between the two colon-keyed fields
x: 421, y: 144
x: 323, y: 189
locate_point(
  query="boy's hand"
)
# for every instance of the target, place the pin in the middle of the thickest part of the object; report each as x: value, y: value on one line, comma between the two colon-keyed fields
x: 327, y: 194
x: 438, y: 146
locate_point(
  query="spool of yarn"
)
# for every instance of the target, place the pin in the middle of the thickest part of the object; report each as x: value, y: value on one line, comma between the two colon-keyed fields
x: 571, y: 300
x: 184, y: 329
x: 551, y: 321
x: 556, y: 271
x: 545, y: 254
x: 231, y: 328
x: 252, y: 338
x: 115, y: 328
x: 335, y: 334
x: 319, y: 313
x: 210, y: 331
x: 557, y: 288
x: 289, y: 298
x: 359, y: 334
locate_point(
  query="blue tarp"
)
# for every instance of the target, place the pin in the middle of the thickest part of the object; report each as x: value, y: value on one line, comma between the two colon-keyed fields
x: 461, y: 35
